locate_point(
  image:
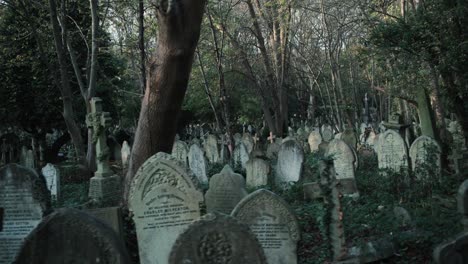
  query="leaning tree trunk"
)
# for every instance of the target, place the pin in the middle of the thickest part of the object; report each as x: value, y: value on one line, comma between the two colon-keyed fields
x: 179, y: 24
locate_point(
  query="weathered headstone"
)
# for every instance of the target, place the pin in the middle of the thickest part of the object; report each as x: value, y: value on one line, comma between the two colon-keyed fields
x: 23, y: 154
x: 112, y: 216
x: 125, y: 153
x: 180, y: 151
x: 258, y: 171
x: 327, y: 134
x: 241, y: 155
x: 349, y: 137
x: 217, y: 239
x: 29, y: 161
x: 392, y: 152
x: 343, y: 159
x: 165, y: 199
x: 462, y: 202
x: 237, y: 138
x: 24, y: 198
x: 289, y: 165
x: 248, y: 142
x: 314, y: 140
x: 425, y: 157
x: 197, y: 163
x: 226, y: 190
x: 52, y: 177
x: 211, y: 149
x: 72, y: 236
x: 273, y: 222
x: 272, y: 150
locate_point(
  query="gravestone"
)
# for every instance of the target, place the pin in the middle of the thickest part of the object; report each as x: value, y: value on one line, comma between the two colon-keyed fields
x: 217, y: 239
x: 237, y: 138
x: 29, y: 161
x: 289, y: 164
x: 226, y: 190
x: 314, y: 140
x: 462, y: 202
x: 272, y: 150
x: 392, y: 152
x: 258, y: 171
x: 241, y: 155
x: 211, y: 149
x: 24, y: 198
x: 273, y: 222
x: 180, y: 151
x: 338, y: 136
x: 349, y: 137
x: 112, y: 216
x: 104, y: 186
x: 23, y: 154
x: 165, y: 198
x: 425, y: 157
x: 343, y: 159
x: 52, y: 177
x: 72, y: 236
x: 125, y: 154
x: 372, y: 139
x: 327, y: 134
x: 248, y: 142
x: 197, y: 163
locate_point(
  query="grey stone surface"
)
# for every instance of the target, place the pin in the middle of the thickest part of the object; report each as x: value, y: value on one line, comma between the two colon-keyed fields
x: 165, y: 199
x: 226, y: 190
x: 112, y: 216
x: 241, y: 155
x: 344, y: 158
x: 258, y: 172
x: 248, y: 142
x: 72, y: 236
x: 273, y: 222
x: 125, y: 153
x: 24, y: 198
x: 289, y: 164
x: 211, y: 149
x: 392, y: 151
x: 52, y: 177
x: 217, y: 239
x: 197, y: 163
x: 425, y: 157
x: 314, y: 140
x: 272, y: 150
x: 180, y: 151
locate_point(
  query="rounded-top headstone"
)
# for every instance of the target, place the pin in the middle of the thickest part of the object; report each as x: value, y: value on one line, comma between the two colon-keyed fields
x: 72, y: 236
x: 217, y: 239
x: 392, y: 152
x: 425, y: 156
x: 273, y: 222
x: 197, y: 162
x: 327, y: 134
x: 343, y: 158
x: 314, y: 140
x: 289, y: 164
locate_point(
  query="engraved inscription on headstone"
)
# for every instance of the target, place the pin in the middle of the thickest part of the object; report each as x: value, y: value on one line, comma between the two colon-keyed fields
x: 392, y: 152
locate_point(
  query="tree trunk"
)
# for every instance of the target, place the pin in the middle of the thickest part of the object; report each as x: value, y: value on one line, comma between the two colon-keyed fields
x: 179, y: 24
x: 141, y: 44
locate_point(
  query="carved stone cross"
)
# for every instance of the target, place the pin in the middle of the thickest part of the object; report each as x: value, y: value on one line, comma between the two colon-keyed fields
x: 271, y: 138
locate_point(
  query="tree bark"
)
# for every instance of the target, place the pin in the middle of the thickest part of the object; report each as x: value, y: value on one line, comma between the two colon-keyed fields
x: 141, y: 44
x: 179, y: 24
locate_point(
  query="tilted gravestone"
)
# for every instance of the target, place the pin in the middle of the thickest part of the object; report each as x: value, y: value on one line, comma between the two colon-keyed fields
x: 289, y: 165
x: 180, y: 151
x: 258, y: 171
x: 274, y: 224
x: 72, y: 236
x: 425, y: 157
x: 217, y: 239
x: 197, y: 163
x: 226, y: 190
x: 24, y: 198
x: 52, y: 177
x: 314, y: 140
x: 165, y: 198
x: 211, y: 149
x: 392, y: 152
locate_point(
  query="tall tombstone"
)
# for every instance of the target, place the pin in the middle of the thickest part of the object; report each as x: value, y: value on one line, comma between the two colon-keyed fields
x: 165, y: 199
x: 343, y: 159
x: 23, y: 154
x: 248, y: 142
x: 241, y: 155
x: 24, y: 199
x: 425, y: 157
x: 72, y: 236
x: 289, y: 164
x: 29, y: 161
x: 217, y: 239
x: 180, y: 151
x: 226, y: 190
x: 52, y: 177
x: 392, y: 152
x: 273, y: 222
x: 197, y: 162
x: 211, y: 149
x: 258, y: 171
x: 104, y: 186
x: 125, y: 153
x: 462, y: 202
x: 314, y: 140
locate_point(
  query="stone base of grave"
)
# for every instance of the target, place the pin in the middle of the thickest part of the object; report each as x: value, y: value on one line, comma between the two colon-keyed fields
x: 105, y: 189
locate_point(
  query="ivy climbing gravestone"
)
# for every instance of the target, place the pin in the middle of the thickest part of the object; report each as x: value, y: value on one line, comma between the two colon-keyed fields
x: 273, y: 222
x: 165, y: 199
x: 217, y: 239
x: 24, y: 198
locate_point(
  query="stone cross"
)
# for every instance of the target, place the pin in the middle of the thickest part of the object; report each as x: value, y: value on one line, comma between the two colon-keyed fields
x: 99, y: 121
x: 271, y: 138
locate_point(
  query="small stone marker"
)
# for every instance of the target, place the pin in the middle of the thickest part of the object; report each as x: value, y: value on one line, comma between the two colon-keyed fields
x: 314, y: 140
x: 180, y: 151
x: 273, y: 222
x: 211, y: 149
x: 24, y: 198
x: 258, y: 171
x: 226, y: 190
x: 343, y: 159
x: 197, y: 162
x: 165, y: 198
x: 52, y: 177
x: 125, y: 154
x: 425, y: 157
x: 217, y: 239
x: 392, y: 152
x: 72, y: 236
x: 289, y: 165
x: 327, y: 134
x: 112, y: 216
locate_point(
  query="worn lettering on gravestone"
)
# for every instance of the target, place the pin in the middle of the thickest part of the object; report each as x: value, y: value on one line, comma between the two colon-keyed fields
x: 391, y: 151
x: 72, y: 236
x: 226, y: 190
x: 289, y: 165
x: 165, y: 198
x: 425, y: 157
x: 274, y: 224
x: 180, y: 151
x: 343, y: 158
x: 24, y: 198
x: 52, y: 177
x: 217, y: 239
x: 258, y: 172
x: 197, y: 162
